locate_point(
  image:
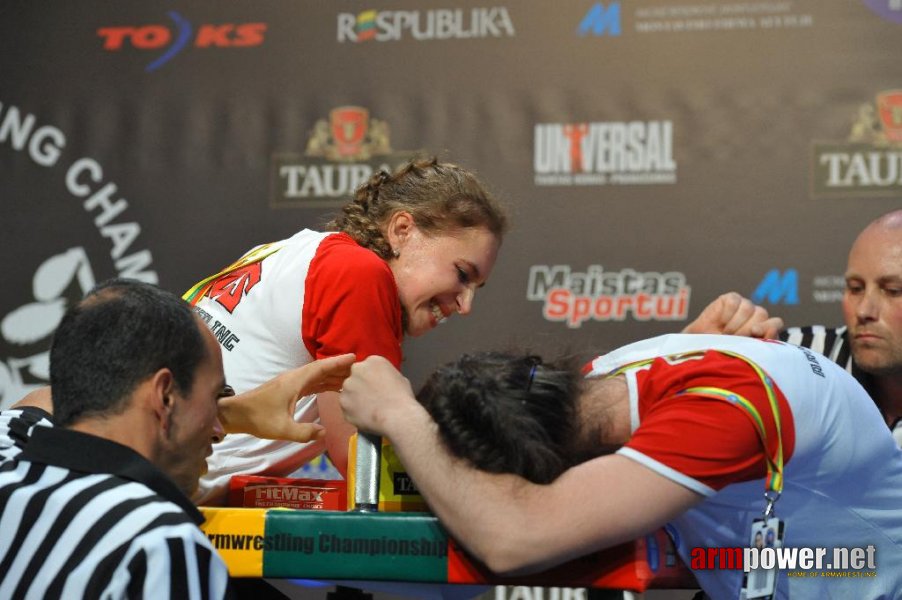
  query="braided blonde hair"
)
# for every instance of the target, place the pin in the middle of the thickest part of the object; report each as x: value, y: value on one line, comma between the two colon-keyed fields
x: 441, y: 197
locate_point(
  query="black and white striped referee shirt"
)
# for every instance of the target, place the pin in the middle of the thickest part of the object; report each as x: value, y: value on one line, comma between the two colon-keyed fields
x: 832, y: 342
x: 85, y: 517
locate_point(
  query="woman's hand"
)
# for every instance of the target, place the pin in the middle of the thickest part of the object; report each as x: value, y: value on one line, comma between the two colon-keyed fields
x: 374, y: 393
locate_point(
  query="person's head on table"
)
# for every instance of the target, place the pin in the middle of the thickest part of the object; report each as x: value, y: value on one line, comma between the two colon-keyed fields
x: 133, y: 364
x: 688, y: 430
x: 513, y: 413
x: 438, y: 229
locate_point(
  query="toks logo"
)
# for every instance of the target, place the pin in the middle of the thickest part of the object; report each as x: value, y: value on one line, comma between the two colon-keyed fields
x: 870, y: 161
x: 342, y: 153
x: 174, y: 40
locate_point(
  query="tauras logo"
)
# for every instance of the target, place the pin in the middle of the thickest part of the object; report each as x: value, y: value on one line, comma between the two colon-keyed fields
x: 870, y: 161
x: 600, y: 153
x: 342, y: 152
x: 574, y: 297
x: 403, y: 485
x: 26, y: 330
x: 437, y: 24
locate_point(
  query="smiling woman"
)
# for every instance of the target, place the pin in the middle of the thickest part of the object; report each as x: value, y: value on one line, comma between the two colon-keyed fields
x: 408, y: 252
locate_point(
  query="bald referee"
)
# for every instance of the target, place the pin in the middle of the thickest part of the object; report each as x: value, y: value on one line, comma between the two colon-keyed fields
x: 94, y: 498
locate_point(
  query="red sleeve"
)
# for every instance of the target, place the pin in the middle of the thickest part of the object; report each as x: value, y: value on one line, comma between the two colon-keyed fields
x: 710, y: 440
x: 351, y: 303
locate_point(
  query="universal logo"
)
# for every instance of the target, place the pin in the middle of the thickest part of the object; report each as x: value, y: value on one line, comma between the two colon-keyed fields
x: 869, y: 162
x: 605, y: 153
x: 342, y: 152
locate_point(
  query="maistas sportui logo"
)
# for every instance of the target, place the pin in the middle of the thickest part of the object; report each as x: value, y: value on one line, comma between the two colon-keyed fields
x: 171, y: 40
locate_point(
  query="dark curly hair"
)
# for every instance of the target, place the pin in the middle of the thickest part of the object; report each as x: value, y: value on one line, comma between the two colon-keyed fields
x: 506, y: 413
x: 440, y: 196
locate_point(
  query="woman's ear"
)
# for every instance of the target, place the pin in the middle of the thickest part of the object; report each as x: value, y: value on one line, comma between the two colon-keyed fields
x: 400, y: 226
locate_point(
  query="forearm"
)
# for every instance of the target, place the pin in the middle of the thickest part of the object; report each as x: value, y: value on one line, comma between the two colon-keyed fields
x: 496, y: 517
x: 338, y: 430
x: 515, y: 526
x: 507, y: 522
x: 233, y: 414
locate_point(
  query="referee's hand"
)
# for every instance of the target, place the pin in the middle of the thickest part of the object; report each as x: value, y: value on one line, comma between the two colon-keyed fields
x: 267, y: 411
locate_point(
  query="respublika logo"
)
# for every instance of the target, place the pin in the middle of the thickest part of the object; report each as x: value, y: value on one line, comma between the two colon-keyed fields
x: 574, y: 297
x: 601, y: 20
x: 424, y: 25
x: 870, y: 161
x: 172, y: 40
x: 891, y: 10
x: 342, y: 153
x: 778, y: 288
x: 617, y: 153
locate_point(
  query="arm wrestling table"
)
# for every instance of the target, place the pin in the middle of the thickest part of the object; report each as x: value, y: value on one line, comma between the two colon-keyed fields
x: 367, y: 545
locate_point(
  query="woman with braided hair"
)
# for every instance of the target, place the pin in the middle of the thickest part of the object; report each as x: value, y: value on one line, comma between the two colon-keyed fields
x: 407, y: 253
x: 530, y: 464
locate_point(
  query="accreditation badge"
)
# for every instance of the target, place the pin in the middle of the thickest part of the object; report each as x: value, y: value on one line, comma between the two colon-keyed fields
x: 760, y: 582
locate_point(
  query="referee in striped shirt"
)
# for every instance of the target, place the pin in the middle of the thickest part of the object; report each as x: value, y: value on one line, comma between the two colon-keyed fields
x: 870, y: 344
x: 96, y: 506
x: 94, y: 499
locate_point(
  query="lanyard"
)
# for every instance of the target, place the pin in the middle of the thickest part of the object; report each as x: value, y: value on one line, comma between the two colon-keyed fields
x: 774, y: 481
x: 199, y: 289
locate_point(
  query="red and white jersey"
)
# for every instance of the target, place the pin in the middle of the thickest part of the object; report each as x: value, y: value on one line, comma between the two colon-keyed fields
x: 843, y: 471
x: 313, y: 296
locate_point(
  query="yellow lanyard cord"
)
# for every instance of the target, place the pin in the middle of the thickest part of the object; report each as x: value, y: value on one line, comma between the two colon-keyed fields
x: 774, y: 481
x: 199, y: 289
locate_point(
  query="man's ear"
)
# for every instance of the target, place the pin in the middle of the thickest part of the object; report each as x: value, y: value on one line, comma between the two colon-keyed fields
x: 162, y: 396
x: 399, y: 228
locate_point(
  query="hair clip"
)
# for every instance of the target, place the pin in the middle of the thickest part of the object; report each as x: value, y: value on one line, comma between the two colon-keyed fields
x: 532, y: 375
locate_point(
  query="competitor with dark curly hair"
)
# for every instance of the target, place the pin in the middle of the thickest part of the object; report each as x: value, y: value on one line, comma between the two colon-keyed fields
x: 409, y: 251
x: 529, y: 465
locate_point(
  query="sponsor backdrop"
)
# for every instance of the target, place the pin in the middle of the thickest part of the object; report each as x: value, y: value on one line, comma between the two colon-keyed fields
x: 653, y: 153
